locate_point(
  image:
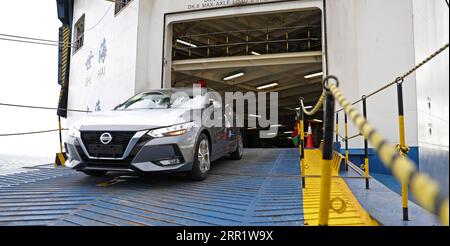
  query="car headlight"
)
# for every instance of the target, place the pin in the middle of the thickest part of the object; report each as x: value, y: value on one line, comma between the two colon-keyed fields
x: 171, y: 131
x: 74, y: 131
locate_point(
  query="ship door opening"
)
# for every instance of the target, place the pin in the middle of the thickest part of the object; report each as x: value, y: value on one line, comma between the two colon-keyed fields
x: 272, y: 52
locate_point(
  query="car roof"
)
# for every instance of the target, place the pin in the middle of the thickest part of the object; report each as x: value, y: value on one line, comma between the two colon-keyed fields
x: 187, y: 90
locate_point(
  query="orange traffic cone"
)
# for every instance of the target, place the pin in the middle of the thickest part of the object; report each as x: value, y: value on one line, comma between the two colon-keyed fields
x: 309, y: 138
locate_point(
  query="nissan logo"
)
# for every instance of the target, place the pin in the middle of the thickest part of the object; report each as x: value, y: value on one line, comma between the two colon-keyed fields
x: 106, y: 138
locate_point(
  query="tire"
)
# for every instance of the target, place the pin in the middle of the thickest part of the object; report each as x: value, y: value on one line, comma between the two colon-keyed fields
x: 95, y: 173
x: 202, y: 159
x: 239, y: 152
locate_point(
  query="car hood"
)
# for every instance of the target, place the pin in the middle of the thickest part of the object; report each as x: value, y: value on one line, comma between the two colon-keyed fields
x: 133, y: 119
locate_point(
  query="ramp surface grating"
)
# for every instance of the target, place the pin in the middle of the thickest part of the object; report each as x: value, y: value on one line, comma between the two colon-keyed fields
x: 353, y: 213
x: 262, y: 189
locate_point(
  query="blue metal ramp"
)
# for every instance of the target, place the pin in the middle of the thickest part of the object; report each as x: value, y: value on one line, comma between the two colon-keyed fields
x: 262, y: 189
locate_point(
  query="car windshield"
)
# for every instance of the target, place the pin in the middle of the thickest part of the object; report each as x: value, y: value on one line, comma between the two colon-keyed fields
x: 159, y: 100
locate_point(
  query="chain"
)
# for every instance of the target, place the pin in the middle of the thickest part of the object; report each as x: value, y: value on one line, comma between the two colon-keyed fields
x: 352, y: 137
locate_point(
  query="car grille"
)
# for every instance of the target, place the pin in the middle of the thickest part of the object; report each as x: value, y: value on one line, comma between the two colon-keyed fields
x: 114, y: 163
x: 119, y: 143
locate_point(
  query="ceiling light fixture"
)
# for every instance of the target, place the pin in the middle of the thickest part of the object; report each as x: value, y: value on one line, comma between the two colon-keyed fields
x: 278, y: 125
x: 234, y: 76
x: 186, y: 43
x: 255, y: 53
x: 314, y: 75
x: 267, y: 86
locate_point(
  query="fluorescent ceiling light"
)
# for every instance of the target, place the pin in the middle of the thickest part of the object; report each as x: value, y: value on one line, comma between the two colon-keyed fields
x: 314, y: 75
x: 234, y: 76
x: 317, y: 120
x: 255, y: 53
x: 289, y: 132
x: 254, y: 116
x: 289, y: 138
x: 186, y: 43
x: 252, y: 128
x: 272, y: 134
x: 267, y: 86
x: 276, y: 125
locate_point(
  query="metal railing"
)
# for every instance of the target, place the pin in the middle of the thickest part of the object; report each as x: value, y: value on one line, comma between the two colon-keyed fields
x: 247, y: 42
x: 425, y: 190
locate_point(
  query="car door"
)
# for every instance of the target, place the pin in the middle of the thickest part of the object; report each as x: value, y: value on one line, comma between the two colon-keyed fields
x: 218, y: 132
x: 230, y: 130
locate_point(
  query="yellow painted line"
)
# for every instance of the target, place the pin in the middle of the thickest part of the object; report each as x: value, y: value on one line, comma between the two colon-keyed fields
x: 354, y: 214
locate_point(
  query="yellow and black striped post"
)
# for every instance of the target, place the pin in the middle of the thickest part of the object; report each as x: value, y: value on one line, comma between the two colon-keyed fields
x: 337, y: 127
x: 301, y: 131
x: 346, y: 142
x: 401, y: 127
x: 366, y: 146
x: 60, y: 159
x: 327, y: 157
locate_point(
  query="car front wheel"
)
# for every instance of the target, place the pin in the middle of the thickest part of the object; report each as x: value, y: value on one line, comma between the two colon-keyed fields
x: 239, y: 152
x: 202, y: 159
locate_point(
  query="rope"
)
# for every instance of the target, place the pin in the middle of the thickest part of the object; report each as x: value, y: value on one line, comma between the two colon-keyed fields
x: 425, y: 190
x: 45, y: 108
x: 34, y: 42
x: 101, y: 19
x: 352, y: 137
x: 316, y: 108
x: 402, y: 77
x: 29, y: 133
x: 403, y: 149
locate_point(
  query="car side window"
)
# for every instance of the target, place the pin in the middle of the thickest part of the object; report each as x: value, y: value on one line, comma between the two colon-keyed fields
x: 228, y: 116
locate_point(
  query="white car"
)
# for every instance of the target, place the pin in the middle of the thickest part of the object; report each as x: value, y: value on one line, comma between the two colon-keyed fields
x: 151, y: 133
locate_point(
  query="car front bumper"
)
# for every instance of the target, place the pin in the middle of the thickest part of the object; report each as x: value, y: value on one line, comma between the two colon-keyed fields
x: 143, y: 154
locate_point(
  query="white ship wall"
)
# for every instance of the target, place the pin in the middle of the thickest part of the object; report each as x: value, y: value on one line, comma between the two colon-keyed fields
x: 104, y: 84
x: 431, y: 25
x: 371, y: 42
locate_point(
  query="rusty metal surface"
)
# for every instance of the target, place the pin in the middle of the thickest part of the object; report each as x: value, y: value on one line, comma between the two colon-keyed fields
x: 262, y: 189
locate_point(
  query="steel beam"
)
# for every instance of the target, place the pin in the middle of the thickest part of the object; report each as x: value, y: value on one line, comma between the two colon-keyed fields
x: 247, y: 61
